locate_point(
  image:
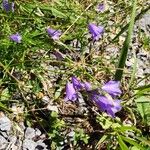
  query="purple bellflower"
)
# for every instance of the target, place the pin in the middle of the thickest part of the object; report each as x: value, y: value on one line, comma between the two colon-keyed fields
x: 16, y: 38
x: 54, y: 34
x: 112, y: 88
x: 101, y: 7
x: 87, y: 86
x: 76, y: 83
x: 81, y: 85
x: 114, y: 108
x: 73, y: 88
x: 106, y: 104
x: 71, y: 93
x: 8, y: 6
x: 96, y: 31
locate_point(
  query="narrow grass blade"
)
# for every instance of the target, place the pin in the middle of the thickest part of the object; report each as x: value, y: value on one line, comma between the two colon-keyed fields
x: 4, y: 108
x: 123, y: 146
x: 124, y: 51
x: 132, y: 142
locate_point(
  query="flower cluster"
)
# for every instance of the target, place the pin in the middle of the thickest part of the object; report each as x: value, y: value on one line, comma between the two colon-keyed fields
x: 105, y: 102
x: 73, y: 88
x: 95, y: 31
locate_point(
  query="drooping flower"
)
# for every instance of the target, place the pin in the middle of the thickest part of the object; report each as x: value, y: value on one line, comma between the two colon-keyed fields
x: 87, y: 86
x: 106, y: 104
x: 8, y: 6
x: 116, y: 107
x: 73, y: 89
x: 76, y: 83
x: 112, y: 87
x: 101, y: 7
x: 71, y: 94
x: 54, y: 34
x: 96, y: 31
x: 80, y: 85
x: 16, y: 38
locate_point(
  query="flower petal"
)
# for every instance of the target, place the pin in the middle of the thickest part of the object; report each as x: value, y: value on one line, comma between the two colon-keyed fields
x: 16, y: 38
x: 96, y: 31
x: 8, y: 6
x: 76, y: 83
x: 70, y: 92
x: 106, y: 105
x: 87, y: 86
x: 55, y: 34
x: 115, y: 108
x: 112, y: 87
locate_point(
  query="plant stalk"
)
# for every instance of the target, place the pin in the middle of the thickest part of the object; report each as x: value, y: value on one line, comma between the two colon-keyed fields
x: 124, y: 51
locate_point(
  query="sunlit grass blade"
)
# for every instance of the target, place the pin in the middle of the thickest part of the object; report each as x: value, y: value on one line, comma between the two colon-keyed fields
x: 132, y: 142
x: 124, y: 51
x: 123, y: 146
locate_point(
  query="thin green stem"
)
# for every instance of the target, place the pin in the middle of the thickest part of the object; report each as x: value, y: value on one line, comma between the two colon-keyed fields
x: 124, y: 51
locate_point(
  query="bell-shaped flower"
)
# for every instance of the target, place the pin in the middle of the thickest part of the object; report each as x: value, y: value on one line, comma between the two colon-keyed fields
x: 96, y: 31
x: 71, y: 94
x: 106, y: 104
x: 8, y: 6
x: 54, y: 34
x: 114, y: 108
x: 87, y: 86
x: 112, y: 87
x: 76, y: 83
x: 16, y: 38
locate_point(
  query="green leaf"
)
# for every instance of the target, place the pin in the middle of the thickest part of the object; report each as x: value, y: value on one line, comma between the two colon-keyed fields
x: 142, y: 99
x: 5, y: 94
x: 128, y: 128
x: 132, y: 142
x: 143, y: 140
x: 123, y: 146
x: 134, y: 148
x: 4, y: 108
x: 57, y: 13
x: 106, y: 123
x: 142, y: 90
x: 143, y: 106
x: 123, y: 56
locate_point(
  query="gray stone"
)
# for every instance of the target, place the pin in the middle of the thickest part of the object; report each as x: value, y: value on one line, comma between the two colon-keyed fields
x: 29, y: 144
x: 41, y: 144
x: 37, y: 132
x: 3, y: 143
x: 29, y: 133
x: 5, y: 124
